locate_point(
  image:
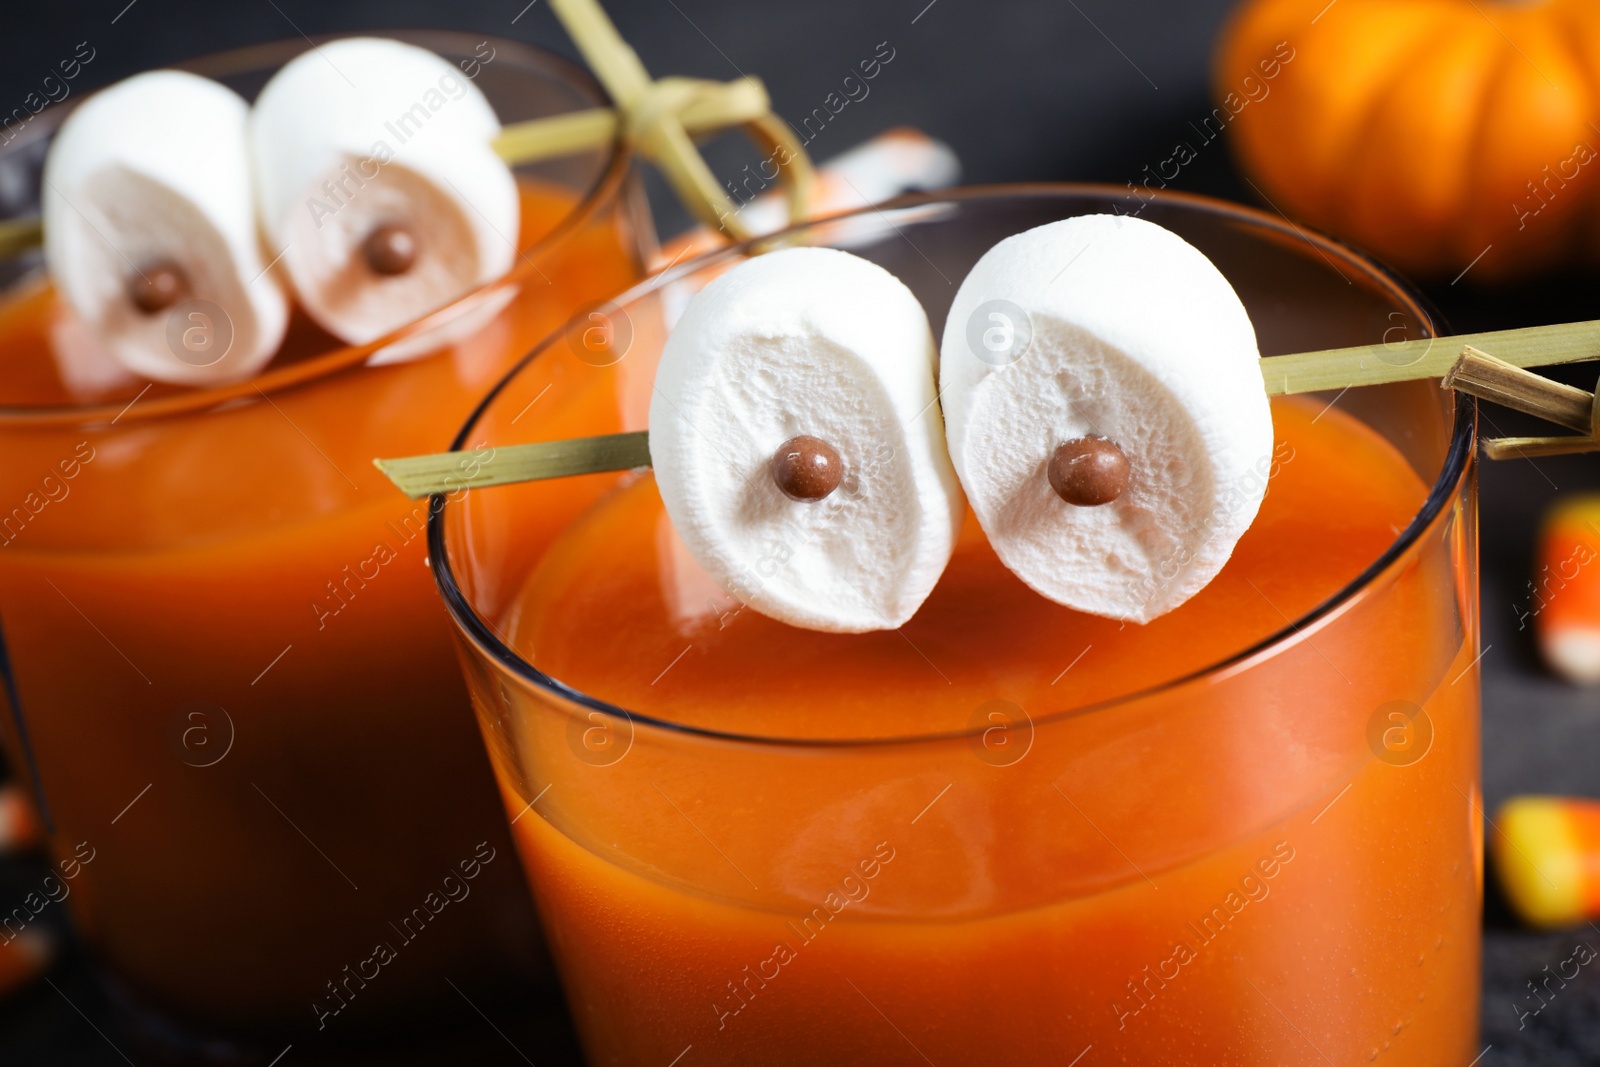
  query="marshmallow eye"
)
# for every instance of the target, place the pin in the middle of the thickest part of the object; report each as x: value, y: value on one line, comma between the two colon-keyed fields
x: 797, y: 442
x: 1088, y: 471
x: 807, y: 469
x: 150, y: 231
x: 389, y: 249
x: 157, y: 286
x: 1116, y: 460
x: 399, y: 247
x: 378, y: 182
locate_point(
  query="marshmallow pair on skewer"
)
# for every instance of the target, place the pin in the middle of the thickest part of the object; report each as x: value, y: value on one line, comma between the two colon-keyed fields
x: 1102, y: 408
x: 178, y: 218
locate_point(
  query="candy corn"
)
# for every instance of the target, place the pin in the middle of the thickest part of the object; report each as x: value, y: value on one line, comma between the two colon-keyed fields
x: 1547, y: 850
x: 1562, y: 601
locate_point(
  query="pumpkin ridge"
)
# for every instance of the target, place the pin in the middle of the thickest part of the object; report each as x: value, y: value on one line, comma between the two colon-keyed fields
x: 1243, y: 37
x: 1428, y: 130
x: 1574, y: 26
x: 1379, y: 86
x: 1397, y: 193
x: 1378, y: 92
x: 1568, y: 17
x: 1550, y: 84
x: 1476, y: 176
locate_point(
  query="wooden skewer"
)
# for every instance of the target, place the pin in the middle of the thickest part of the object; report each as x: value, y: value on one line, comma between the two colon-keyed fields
x: 1484, y: 376
x: 713, y: 106
x: 447, y: 472
x: 1429, y: 357
x: 1535, y: 447
x: 654, y: 113
x: 1458, y: 360
x: 19, y: 235
x: 1510, y: 386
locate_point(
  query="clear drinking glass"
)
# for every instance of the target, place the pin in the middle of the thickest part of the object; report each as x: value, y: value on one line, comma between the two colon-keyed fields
x: 1274, y: 859
x: 230, y: 680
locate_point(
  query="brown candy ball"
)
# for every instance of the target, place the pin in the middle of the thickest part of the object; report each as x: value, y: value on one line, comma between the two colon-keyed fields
x: 157, y: 287
x: 390, y: 249
x: 1089, y: 471
x: 807, y: 468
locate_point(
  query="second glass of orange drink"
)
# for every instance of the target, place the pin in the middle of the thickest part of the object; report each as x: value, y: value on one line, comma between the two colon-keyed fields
x: 230, y: 680
x: 1245, y: 832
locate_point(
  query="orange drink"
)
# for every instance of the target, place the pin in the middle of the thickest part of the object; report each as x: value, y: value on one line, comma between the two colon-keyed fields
x: 1244, y: 833
x: 233, y: 683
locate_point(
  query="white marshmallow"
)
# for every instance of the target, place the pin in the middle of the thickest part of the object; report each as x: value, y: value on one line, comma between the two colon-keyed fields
x: 1137, y: 337
x: 156, y: 168
x: 819, y: 342
x: 363, y: 132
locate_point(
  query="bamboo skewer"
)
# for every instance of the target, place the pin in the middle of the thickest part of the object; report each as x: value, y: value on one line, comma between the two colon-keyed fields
x: 1458, y: 361
x: 1429, y: 357
x: 1537, y: 447
x: 1484, y: 376
x: 449, y: 472
x: 655, y: 117
x: 711, y: 106
x: 19, y: 235
x: 1505, y: 384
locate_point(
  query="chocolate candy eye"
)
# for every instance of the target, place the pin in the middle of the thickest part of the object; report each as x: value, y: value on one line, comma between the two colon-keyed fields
x: 1088, y: 471
x: 158, y: 287
x: 807, y: 468
x: 390, y: 249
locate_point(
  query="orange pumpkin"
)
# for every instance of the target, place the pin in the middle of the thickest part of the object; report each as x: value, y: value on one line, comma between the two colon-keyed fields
x: 1430, y: 132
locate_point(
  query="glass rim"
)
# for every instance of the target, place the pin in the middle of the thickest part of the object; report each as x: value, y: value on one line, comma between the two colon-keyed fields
x: 1452, y: 475
x: 604, y: 190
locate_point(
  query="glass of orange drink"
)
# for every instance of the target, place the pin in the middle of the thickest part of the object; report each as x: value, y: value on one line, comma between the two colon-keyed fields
x: 228, y: 675
x: 1246, y: 832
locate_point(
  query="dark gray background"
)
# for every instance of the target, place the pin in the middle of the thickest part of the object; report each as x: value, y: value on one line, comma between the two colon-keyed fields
x: 1023, y: 90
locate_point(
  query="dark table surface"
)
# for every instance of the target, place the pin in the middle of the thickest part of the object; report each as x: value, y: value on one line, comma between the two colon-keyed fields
x: 1023, y: 90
